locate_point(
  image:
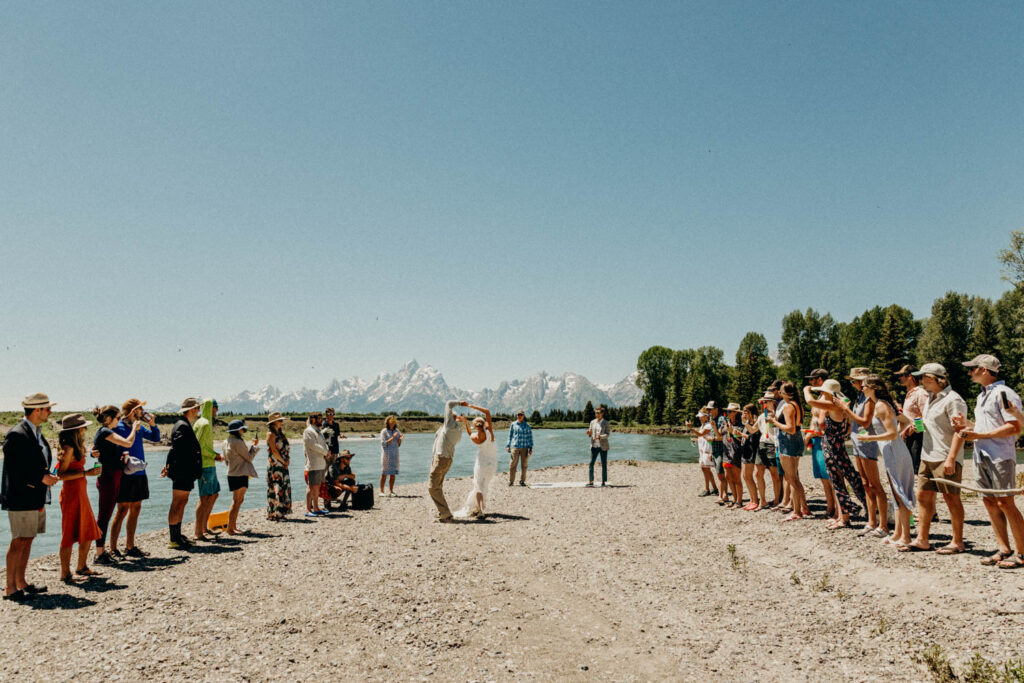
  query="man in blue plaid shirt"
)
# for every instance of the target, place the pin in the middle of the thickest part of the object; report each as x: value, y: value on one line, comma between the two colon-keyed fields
x: 520, y: 445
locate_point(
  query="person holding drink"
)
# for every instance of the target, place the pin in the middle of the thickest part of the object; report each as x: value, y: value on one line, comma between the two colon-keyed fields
x: 77, y: 523
x: 134, y: 486
x: 239, y: 458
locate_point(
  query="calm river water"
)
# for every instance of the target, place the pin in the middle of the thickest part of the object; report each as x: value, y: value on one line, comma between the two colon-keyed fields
x: 551, y: 448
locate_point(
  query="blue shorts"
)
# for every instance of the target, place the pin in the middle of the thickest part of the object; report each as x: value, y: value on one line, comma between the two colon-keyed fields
x: 208, y: 484
x: 818, y: 460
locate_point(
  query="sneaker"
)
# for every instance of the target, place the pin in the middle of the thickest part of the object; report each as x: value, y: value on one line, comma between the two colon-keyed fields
x: 522, y: 483
x: 511, y: 483
x: 184, y: 542
x: 116, y: 554
x: 310, y: 513
x: 321, y: 513
x: 135, y: 552
x: 175, y: 545
x: 104, y: 559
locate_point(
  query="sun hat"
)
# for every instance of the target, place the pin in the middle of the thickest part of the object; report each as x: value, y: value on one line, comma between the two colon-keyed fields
x: 36, y: 401
x: 984, y: 360
x: 702, y: 413
x: 346, y: 454
x: 830, y: 386
x: 275, y: 417
x: 768, y: 396
x: 130, y: 405
x: 931, y: 369
x: 189, y: 404
x: 733, y: 408
x: 908, y: 369
x: 237, y: 426
x: 858, y: 374
x: 710, y: 406
x: 523, y: 412
x: 817, y: 373
x: 73, y: 421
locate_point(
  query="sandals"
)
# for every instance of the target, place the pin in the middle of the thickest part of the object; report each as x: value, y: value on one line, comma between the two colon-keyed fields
x: 85, y: 571
x: 793, y: 518
x: 912, y: 549
x: 949, y: 550
x: 993, y: 560
x: 70, y: 580
x: 1014, y: 561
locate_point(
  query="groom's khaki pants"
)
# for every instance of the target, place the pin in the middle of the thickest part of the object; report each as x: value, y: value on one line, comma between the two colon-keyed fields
x: 439, y: 467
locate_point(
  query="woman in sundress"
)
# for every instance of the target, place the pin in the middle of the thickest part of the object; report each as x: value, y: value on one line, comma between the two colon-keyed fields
x: 279, y: 483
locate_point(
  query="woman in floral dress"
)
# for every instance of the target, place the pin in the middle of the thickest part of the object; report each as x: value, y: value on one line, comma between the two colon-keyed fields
x: 279, y: 483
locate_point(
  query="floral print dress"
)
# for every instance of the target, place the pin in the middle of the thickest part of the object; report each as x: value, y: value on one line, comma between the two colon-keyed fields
x: 279, y: 482
x: 839, y: 467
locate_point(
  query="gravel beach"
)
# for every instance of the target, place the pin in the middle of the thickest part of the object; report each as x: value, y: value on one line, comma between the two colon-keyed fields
x: 632, y: 582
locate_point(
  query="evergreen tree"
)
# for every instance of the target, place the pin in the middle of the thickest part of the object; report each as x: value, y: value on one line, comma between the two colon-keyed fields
x: 754, y: 368
x: 654, y: 365
x: 1009, y: 313
x: 588, y: 412
x: 535, y: 418
x: 809, y: 340
x: 897, y: 340
x: 946, y: 336
x: 985, y: 330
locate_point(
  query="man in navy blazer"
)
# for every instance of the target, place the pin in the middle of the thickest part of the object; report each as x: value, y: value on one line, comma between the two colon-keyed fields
x: 24, y: 490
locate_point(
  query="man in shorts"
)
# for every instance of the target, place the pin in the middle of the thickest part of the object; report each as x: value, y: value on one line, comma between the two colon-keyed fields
x: 184, y: 466
x: 994, y: 434
x: 942, y: 457
x: 209, y: 486
x: 24, y: 491
x: 315, y: 447
x: 714, y: 438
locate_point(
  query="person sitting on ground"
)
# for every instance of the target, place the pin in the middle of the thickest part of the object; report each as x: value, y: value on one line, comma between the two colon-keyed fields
x: 239, y: 458
x: 942, y: 457
x: 343, y: 480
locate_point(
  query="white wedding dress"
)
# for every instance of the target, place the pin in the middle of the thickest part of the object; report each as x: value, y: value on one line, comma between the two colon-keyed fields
x: 484, y: 471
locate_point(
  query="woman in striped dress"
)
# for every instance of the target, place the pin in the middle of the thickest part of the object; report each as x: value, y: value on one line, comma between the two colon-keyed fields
x: 390, y: 440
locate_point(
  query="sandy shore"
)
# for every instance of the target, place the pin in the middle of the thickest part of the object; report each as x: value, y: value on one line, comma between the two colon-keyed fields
x: 634, y: 582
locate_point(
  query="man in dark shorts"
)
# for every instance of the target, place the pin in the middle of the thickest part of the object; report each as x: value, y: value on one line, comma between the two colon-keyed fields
x: 341, y: 478
x: 184, y: 466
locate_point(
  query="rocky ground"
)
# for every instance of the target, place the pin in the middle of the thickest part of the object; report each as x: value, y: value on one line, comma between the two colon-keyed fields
x: 639, y: 581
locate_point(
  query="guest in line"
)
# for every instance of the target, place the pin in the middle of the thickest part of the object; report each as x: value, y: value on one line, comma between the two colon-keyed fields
x: 209, y: 485
x: 184, y: 466
x: 994, y: 435
x: 789, y: 416
x: 390, y: 441
x: 24, y: 491
x: 767, y: 460
x: 841, y: 471
x: 942, y: 457
x: 134, y: 487
x: 239, y: 459
x: 913, y: 409
x: 112, y: 447
x: 861, y: 415
x: 315, y: 447
x: 77, y: 523
x: 279, y: 481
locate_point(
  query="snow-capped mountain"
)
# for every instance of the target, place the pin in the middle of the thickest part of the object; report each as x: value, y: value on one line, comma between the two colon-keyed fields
x: 423, y: 388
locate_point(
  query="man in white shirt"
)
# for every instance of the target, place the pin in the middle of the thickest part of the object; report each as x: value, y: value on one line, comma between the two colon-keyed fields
x: 315, y: 447
x: 942, y: 457
x: 994, y: 434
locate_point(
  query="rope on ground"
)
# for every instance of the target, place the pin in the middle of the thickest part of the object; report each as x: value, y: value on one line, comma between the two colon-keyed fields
x: 984, y: 492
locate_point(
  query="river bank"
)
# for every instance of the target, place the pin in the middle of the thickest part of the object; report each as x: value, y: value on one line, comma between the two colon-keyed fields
x: 639, y: 581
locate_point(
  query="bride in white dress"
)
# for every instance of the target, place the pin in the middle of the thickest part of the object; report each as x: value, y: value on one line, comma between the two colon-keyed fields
x: 486, y: 466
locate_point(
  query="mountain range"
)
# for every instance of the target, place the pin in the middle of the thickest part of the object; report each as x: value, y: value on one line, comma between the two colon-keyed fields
x: 416, y: 387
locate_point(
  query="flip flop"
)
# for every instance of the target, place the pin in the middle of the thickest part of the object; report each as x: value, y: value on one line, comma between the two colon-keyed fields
x: 87, y: 572
x: 1015, y: 561
x: 949, y: 550
x: 993, y: 560
x: 912, y: 549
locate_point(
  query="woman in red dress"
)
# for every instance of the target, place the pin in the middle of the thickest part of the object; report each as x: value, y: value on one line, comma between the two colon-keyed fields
x: 77, y: 523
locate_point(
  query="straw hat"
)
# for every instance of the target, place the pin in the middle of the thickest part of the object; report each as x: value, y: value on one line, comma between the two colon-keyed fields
x: 829, y: 386
x: 346, y: 454
x: 275, y: 417
x: 858, y: 374
x: 72, y: 422
x: 190, y: 403
x: 36, y: 401
x: 733, y: 408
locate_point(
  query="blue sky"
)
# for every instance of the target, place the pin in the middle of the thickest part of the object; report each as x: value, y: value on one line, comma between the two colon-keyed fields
x: 197, y: 198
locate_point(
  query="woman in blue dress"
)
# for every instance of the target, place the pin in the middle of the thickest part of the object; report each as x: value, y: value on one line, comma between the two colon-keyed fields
x: 390, y: 440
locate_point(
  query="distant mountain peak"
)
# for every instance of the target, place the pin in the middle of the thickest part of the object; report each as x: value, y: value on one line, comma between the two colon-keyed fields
x: 416, y: 387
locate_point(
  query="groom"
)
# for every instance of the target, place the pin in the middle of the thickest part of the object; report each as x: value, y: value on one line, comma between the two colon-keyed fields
x: 444, y: 448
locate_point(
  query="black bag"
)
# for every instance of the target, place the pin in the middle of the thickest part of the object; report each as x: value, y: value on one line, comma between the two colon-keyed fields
x: 362, y: 499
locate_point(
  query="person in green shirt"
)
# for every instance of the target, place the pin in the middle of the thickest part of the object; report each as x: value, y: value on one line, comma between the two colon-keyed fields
x: 209, y: 486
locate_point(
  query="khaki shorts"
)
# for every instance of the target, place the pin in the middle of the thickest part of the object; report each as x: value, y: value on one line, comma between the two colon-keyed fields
x: 27, y: 523
x: 995, y: 475
x: 315, y: 477
x: 933, y: 470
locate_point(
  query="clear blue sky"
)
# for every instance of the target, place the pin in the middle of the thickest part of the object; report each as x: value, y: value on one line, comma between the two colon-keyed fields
x: 197, y: 198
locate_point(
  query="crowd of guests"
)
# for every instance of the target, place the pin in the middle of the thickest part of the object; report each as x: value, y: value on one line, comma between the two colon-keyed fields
x: 30, y: 469
x: 920, y: 442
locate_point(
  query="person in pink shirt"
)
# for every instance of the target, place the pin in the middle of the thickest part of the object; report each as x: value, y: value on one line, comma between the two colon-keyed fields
x: 913, y: 408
